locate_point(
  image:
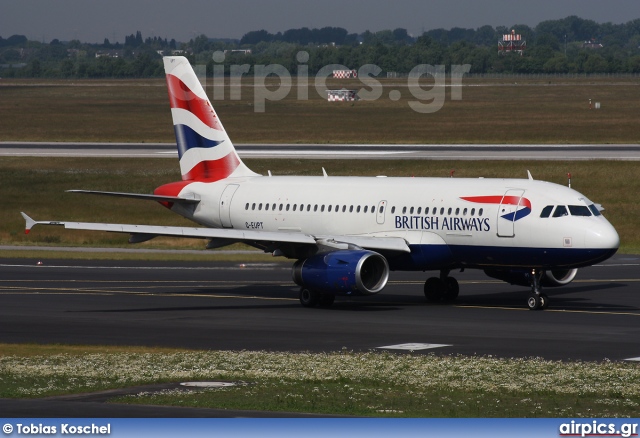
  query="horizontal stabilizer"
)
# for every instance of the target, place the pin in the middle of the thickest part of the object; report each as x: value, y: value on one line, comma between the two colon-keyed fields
x: 157, y: 198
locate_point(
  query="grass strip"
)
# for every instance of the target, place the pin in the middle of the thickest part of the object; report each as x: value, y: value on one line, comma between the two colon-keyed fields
x: 350, y: 383
x: 490, y: 111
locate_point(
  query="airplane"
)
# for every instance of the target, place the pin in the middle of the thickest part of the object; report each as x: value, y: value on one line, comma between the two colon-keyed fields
x: 347, y: 233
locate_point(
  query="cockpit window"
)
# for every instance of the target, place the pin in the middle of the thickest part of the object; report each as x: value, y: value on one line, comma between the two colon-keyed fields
x: 579, y: 210
x: 560, y: 211
x: 546, y: 211
x: 594, y: 210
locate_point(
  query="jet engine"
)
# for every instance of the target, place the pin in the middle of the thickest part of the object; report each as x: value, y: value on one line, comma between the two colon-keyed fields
x: 551, y: 278
x: 343, y: 272
x: 558, y: 277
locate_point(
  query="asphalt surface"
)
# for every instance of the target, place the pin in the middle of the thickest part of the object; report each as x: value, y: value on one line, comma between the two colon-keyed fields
x: 254, y: 306
x: 340, y: 151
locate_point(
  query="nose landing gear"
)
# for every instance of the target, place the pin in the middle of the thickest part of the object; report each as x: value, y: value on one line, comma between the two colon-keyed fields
x: 537, y: 300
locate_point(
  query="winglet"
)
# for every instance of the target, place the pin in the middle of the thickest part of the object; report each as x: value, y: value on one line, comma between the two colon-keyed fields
x: 30, y: 222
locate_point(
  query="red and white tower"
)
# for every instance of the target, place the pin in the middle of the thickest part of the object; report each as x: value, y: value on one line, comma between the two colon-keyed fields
x: 512, y: 43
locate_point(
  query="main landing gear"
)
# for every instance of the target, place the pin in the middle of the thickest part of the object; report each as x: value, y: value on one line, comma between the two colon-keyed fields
x: 443, y: 288
x: 312, y: 298
x: 537, y: 300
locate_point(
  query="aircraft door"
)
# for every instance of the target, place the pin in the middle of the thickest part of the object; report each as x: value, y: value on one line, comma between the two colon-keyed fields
x: 382, y: 206
x: 507, y: 212
x: 225, y: 205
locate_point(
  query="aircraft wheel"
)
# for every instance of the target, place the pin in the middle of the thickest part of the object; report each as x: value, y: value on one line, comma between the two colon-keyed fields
x: 534, y: 302
x: 453, y: 289
x: 326, y: 300
x: 434, y: 289
x: 309, y: 298
x: 544, y: 301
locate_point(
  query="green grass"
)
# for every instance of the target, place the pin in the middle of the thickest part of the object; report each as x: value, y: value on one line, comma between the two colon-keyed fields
x: 491, y: 111
x: 342, y: 383
x: 37, y: 186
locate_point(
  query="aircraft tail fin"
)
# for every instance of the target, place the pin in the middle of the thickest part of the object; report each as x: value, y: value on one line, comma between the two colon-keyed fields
x: 206, y: 153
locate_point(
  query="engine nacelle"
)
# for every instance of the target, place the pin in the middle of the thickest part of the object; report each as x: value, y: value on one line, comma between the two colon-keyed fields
x: 343, y: 272
x: 558, y: 277
x: 552, y: 278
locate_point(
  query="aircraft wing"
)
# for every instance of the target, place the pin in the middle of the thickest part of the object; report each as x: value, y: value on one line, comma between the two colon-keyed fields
x: 158, y: 198
x: 225, y: 236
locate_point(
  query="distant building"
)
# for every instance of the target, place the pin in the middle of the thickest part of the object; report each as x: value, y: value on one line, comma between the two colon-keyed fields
x: 512, y: 43
x: 110, y: 54
x: 345, y: 74
x: 592, y: 44
x: 240, y: 51
x: 342, y: 95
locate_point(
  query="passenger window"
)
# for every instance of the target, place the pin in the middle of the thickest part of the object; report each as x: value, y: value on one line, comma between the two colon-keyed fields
x: 546, y: 212
x: 560, y: 211
x: 404, y: 210
x: 473, y: 212
x: 280, y: 207
x: 309, y: 207
x: 381, y: 209
x: 329, y: 209
x: 442, y: 211
x: 449, y: 212
x: 266, y: 207
x: 464, y: 212
x: 344, y: 208
x: 322, y: 208
x: 480, y: 212
x: 411, y: 211
x: 393, y: 210
x: 253, y: 207
x: 358, y: 209
x: 246, y: 207
x: 315, y: 207
x: 373, y: 209
x: 260, y: 207
x: 365, y: 208
x: 579, y: 210
x: 295, y: 206
x: 457, y: 211
x: 351, y: 209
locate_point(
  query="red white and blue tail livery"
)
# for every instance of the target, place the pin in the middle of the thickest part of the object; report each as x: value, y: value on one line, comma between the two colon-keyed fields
x: 204, y: 148
x: 347, y: 233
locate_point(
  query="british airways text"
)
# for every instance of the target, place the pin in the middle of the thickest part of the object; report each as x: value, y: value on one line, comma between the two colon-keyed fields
x: 446, y: 223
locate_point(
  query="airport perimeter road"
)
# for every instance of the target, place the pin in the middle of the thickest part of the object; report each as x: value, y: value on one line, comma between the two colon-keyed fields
x: 255, y: 307
x: 338, y: 151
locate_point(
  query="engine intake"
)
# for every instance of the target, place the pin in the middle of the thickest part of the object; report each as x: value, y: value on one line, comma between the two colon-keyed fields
x: 344, y: 272
x: 552, y: 278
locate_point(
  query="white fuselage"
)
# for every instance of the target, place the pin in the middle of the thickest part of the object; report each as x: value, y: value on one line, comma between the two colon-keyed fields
x: 464, y: 215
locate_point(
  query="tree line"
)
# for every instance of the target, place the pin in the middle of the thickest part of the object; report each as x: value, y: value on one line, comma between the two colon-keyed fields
x: 568, y: 45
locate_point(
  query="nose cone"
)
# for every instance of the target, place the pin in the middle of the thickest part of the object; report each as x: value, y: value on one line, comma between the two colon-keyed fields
x: 602, y: 240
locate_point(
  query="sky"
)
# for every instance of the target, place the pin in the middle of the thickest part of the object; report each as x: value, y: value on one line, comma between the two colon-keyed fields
x: 95, y: 20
